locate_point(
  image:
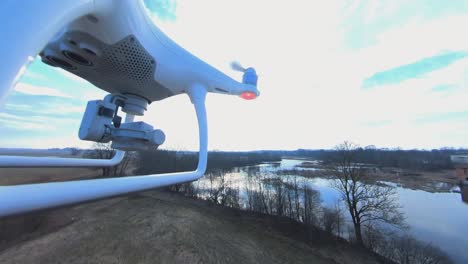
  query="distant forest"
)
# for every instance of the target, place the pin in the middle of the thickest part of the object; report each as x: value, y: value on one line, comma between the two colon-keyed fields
x: 161, y: 161
x: 427, y: 160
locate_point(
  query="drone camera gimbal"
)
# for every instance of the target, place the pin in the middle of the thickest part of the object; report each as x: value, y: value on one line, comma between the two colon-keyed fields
x: 101, y: 123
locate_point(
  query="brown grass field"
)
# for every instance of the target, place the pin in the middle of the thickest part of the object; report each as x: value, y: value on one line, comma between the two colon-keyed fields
x: 14, y: 176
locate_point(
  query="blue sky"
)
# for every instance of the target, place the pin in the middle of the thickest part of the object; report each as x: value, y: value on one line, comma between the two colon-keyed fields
x: 386, y: 73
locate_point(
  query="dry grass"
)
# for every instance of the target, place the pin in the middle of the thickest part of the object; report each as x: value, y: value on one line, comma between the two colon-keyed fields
x: 418, y: 180
x: 159, y: 227
x: 13, y: 176
x: 431, y: 181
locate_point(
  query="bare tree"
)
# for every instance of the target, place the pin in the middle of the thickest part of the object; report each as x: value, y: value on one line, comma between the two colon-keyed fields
x: 279, y: 195
x: 332, y: 220
x: 374, y: 237
x: 311, y: 199
x: 217, y: 187
x: 407, y: 250
x: 264, y: 194
x: 252, y: 200
x: 256, y: 197
x: 365, y: 201
x: 105, y: 151
x: 297, y: 201
x: 233, y: 197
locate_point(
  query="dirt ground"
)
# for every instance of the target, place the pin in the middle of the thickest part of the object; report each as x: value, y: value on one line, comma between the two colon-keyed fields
x: 162, y: 227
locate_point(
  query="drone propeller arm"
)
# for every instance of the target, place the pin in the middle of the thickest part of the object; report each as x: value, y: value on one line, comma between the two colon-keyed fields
x: 221, y: 83
x: 30, y: 197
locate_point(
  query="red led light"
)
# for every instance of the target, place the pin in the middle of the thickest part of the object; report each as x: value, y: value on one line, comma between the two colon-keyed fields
x: 248, y: 95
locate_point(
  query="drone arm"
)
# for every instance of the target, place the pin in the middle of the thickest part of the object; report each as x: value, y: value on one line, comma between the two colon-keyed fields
x: 221, y: 83
x: 236, y: 88
x: 30, y: 197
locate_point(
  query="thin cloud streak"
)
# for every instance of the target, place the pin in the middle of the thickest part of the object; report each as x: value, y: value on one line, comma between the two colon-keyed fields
x: 413, y: 70
x: 30, y: 89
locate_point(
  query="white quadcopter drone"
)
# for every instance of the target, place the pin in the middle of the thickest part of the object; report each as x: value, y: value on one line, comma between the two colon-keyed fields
x: 114, y: 45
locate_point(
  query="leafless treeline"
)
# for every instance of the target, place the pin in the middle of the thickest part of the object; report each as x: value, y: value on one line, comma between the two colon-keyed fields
x: 105, y: 151
x: 271, y: 194
x: 403, y: 249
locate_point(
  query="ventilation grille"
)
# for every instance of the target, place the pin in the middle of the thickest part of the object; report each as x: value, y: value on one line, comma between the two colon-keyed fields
x: 128, y: 60
x: 123, y: 67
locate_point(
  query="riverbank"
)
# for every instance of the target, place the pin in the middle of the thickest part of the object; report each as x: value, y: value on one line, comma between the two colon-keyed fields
x: 430, y: 181
x: 169, y: 228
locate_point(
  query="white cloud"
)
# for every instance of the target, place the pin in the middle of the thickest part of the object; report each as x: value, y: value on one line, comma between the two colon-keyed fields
x: 23, y: 123
x: 49, y: 108
x: 70, y: 75
x: 93, y: 94
x: 38, y: 90
x: 37, y: 122
x: 21, y: 107
x: 62, y: 109
x: 25, y: 126
x: 14, y: 117
x: 46, y: 142
x: 33, y: 75
x: 42, y: 131
x: 415, y: 40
